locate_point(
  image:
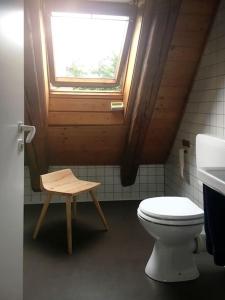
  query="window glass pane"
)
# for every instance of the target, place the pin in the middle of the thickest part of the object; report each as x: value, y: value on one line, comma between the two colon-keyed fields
x: 87, y: 46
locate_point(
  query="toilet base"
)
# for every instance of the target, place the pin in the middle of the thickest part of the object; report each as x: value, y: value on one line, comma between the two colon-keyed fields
x: 170, y: 264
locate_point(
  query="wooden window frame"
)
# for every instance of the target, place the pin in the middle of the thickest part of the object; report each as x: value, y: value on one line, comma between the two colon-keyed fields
x: 110, y: 8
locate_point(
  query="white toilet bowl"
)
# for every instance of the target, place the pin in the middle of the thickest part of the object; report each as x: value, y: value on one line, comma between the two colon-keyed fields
x: 174, y: 223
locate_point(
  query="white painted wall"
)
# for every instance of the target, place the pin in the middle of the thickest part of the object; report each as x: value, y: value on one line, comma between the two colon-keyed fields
x: 205, y: 112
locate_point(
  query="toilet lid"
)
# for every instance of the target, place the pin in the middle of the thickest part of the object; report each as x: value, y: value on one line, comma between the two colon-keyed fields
x: 171, y: 208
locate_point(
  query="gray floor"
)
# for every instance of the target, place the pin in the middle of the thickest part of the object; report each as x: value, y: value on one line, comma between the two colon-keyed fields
x: 104, y: 265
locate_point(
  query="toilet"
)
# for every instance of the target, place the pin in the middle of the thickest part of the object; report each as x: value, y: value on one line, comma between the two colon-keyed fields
x: 174, y: 223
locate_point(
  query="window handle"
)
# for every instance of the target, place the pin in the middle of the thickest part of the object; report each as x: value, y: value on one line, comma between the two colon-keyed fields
x: 27, y: 128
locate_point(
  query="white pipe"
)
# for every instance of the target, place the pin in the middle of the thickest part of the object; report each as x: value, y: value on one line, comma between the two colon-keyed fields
x: 200, y: 243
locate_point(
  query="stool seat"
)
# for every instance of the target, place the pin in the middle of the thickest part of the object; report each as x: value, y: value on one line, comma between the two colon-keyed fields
x: 65, y: 183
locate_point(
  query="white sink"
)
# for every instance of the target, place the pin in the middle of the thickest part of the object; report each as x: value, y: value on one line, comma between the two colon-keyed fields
x: 210, y: 159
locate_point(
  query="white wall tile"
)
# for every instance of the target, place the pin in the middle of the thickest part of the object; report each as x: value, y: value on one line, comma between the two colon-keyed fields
x: 149, y: 183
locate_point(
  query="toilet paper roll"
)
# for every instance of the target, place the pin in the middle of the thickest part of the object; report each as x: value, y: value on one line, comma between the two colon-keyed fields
x: 181, y: 161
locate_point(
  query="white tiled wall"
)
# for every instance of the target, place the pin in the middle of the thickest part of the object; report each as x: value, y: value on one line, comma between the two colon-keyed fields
x: 205, y: 112
x: 149, y: 183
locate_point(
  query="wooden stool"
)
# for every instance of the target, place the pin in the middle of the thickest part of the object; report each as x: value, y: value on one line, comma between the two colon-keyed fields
x: 65, y: 183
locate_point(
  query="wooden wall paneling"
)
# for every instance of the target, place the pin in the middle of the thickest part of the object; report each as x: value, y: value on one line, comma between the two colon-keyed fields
x: 85, y: 118
x: 84, y: 145
x: 162, y: 16
x: 35, y: 93
x: 68, y: 104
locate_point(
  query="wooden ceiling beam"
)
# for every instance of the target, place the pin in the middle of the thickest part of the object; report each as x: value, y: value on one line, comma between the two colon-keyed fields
x: 159, y: 20
x: 36, y: 93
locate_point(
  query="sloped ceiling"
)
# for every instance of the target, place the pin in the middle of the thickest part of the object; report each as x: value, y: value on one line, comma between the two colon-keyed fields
x: 186, y: 47
x: 97, y: 136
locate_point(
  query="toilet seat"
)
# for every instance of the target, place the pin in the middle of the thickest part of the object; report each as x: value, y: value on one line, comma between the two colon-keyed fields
x: 177, y: 211
x: 171, y: 222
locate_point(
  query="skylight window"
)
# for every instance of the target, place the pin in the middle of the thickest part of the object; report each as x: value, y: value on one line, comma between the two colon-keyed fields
x: 87, y: 46
x: 87, y: 50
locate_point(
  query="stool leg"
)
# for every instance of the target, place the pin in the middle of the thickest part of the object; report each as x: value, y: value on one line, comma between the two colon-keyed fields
x: 99, y: 210
x: 69, y: 224
x: 42, y: 215
x: 74, y: 207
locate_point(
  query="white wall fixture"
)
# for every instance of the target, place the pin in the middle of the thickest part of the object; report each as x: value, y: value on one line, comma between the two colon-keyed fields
x: 210, y: 160
x: 181, y: 161
x: 119, y: 105
x: 31, y: 130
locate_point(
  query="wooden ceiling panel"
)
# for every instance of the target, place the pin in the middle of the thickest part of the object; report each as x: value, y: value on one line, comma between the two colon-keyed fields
x: 199, y: 7
x: 162, y: 134
x: 184, y: 54
x: 178, y: 74
x: 193, y: 23
x: 188, y: 42
x: 188, y: 39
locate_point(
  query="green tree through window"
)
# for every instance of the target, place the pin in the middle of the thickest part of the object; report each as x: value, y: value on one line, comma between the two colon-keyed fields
x: 106, y: 68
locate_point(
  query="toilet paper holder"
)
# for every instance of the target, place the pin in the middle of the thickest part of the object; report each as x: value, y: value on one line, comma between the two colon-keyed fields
x: 182, y: 151
x: 186, y: 143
